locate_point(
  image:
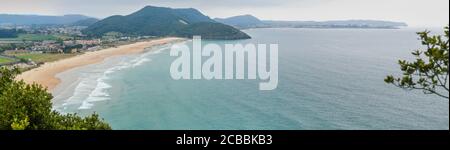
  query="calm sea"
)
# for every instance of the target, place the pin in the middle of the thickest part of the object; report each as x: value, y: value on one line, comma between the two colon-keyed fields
x: 328, y: 79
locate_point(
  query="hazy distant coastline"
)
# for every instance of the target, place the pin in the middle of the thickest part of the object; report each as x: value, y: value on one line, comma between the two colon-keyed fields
x: 249, y: 21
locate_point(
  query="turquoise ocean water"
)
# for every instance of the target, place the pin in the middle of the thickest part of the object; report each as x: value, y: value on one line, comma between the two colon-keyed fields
x: 328, y: 79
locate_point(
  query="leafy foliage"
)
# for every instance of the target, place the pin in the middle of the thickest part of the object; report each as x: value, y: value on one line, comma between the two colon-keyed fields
x: 429, y: 72
x: 6, y: 33
x: 11, y: 46
x: 68, y: 49
x: 28, y: 107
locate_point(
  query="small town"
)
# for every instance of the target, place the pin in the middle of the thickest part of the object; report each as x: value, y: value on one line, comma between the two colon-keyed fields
x: 29, y: 46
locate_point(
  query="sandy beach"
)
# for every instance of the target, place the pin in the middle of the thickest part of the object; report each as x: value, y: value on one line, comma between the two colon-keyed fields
x: 45, y: 75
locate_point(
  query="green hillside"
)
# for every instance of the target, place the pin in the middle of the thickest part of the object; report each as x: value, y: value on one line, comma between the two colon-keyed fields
x: 160, y: 21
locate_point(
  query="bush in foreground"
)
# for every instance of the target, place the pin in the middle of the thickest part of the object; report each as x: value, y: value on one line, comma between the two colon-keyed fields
x: 429, y: 72
x: 29, y: 107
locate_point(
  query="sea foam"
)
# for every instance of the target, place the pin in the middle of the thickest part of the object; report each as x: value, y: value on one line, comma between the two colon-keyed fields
x: 93, y: 85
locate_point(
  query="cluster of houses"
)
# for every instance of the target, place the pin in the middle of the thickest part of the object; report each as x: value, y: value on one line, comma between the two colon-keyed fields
x: 67, y: 46
x: 76, y: 43
x: 72, y: 30
x: 70, y: 46
x: 46, y: 29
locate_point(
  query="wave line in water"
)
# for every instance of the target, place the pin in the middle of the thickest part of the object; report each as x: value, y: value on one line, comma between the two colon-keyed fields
x: 93, y: 86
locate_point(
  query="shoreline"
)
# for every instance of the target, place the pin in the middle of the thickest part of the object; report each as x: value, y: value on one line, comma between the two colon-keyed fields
x: 46, y: 74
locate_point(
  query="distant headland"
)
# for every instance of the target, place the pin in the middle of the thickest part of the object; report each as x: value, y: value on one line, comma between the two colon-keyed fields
x: 249, y: 21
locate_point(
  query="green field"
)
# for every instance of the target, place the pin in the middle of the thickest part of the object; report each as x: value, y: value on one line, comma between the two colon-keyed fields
x: 31, y: 37
x: 42, y: 58
x: 63, y: 37
x: 5, y: 60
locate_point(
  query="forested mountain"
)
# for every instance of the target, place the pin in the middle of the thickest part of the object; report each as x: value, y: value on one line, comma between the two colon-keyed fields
x: 85, y: 22
x: 161, y: 21
x: 39, y: 19
x: 244, y: 21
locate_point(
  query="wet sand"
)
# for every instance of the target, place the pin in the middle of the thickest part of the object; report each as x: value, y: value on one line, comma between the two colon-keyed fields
x: 45, y: 75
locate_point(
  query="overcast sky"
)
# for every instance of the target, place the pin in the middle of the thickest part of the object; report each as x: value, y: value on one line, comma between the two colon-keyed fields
x: 423, y: 13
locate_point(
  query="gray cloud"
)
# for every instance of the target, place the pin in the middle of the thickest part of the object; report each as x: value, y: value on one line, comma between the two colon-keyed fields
x: 415, y: 12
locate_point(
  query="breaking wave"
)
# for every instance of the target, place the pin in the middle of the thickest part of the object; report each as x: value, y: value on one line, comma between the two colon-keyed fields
x: 93, y: 85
